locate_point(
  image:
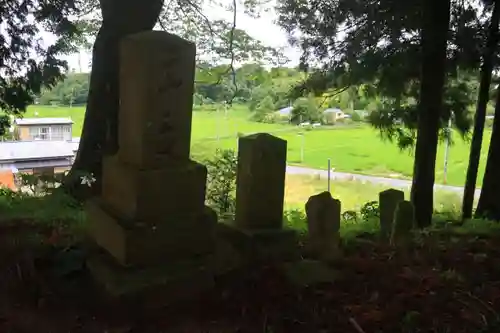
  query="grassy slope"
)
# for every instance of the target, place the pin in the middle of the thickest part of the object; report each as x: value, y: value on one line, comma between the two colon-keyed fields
x: 358, y: 150
x: 353, y: 195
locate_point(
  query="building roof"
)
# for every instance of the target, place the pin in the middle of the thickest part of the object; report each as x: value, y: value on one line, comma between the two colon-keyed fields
x: 74, y: 143
x: 285, y: 111
x: 43, y: 121
x: 26, y: 150
x: 332, y: 110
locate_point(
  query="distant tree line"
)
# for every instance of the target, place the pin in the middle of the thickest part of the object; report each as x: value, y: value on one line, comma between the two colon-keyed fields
x: 73, y: 90
x: 264, y: 91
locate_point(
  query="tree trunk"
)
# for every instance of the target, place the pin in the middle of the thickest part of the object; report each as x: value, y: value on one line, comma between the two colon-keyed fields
x: 480, y: 117
x: 489, y: 204
x: 100, y: 126
x: 434, y: 40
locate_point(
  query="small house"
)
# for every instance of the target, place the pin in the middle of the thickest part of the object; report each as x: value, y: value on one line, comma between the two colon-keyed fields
x: 284, y: 114
x: 43, y: 129
x: 332, y: 115
x: 36, y: 157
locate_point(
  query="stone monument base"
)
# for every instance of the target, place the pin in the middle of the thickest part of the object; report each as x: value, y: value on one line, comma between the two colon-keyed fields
x: 279, y: 244
x: 146, y: 243
x: 266, y: 244
x: 164, y: 283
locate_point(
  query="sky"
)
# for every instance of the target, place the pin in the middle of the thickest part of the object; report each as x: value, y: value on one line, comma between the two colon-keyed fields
x: 262, y: 28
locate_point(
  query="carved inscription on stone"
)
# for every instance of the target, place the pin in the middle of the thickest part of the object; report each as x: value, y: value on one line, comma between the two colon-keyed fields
x: 169, y: 83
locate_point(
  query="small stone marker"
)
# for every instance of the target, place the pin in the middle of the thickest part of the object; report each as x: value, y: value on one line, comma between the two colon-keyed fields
x: 388, y: 201
x: 323, y: 222
x: 404, y: 222
x: 260, y: 182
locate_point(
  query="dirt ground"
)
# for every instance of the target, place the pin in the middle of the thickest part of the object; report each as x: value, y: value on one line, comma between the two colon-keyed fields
x: 440, y: 285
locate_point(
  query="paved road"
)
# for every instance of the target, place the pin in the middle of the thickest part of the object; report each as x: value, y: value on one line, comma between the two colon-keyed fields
x: 392, y: 182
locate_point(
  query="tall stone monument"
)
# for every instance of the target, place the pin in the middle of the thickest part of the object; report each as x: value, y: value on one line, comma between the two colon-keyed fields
x: 260, y: 182
x: 260, y: 194
x: 151, y: 222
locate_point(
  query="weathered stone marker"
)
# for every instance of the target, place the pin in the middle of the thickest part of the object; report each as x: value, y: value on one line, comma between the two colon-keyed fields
x: 404, y: 222
x: 388, y: 201
x: 260, y: 182
x: 323, y: 223
x: 260, y: 193
x: 151, y: 220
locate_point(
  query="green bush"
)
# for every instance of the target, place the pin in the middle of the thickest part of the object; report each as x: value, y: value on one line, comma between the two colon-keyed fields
x: 263, y: 109
x: 350, y: 216
x: 356, y: 117
x: 370, y: 210
x: 39, y: 200
x: 271, y: 118
x: 306, y: 110
x: 295, y: 219
x: 221, y: 182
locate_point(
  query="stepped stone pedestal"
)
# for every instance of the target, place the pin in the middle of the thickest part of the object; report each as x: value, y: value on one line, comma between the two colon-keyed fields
x: 155, y: 235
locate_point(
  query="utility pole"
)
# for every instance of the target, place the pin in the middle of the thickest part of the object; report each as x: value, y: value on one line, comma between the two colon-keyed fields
x: 80, y: 61
x: 329, y: 173
x: 71, y: 97
x: 301, y: 134
x: 217, y: 123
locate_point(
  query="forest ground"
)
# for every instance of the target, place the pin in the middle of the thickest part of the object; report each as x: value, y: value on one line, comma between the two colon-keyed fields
x: 446, y: 281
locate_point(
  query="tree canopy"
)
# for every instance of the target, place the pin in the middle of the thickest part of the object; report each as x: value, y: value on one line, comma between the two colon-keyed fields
x: 378, y: 44
x: 27, y: 65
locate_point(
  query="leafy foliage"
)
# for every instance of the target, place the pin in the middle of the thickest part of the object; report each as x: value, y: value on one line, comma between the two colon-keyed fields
x: 72, y: 90
x: 377, y: 44
x: 264, y: 108
x: 305, y: 110
x: 221, y: 182
x: 37, y: 197
x: 370, y: 210
x: 26, y: 64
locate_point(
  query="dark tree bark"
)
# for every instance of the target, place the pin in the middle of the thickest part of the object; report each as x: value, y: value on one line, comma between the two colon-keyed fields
x: 436, y: 17
x: 100, y: 127
x: 489, y: 202
x: 480, y: 117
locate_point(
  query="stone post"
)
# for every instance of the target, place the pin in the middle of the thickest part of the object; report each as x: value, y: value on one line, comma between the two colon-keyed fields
x: 404, y: 222
x: 260, y: 192
x: 388, y: 201
x: 260, y: 182
x: 323, y: 224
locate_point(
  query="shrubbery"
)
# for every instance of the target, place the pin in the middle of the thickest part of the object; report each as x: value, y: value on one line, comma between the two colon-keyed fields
x: 221, y: 182
x: 355, y: 116
x: 39, y: 199
x: 264, y: 109
x: 306, y: 110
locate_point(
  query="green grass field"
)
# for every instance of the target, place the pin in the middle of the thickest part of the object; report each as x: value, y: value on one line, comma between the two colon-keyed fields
x: 353, y: 194
x: 357, y: 150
